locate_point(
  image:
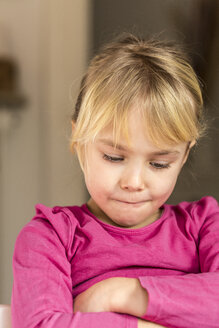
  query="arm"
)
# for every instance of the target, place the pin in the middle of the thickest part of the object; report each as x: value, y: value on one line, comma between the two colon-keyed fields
x: 42, y: 288
x: 181, y: 300
x: 147, y: 324
x: 122, y: 295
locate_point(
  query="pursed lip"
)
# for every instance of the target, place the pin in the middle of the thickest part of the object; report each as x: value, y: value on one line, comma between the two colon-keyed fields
x: 132, y: 202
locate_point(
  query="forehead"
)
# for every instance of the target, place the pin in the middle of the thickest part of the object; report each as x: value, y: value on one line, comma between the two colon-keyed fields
x: 136, y: 139
x: 174, y: 151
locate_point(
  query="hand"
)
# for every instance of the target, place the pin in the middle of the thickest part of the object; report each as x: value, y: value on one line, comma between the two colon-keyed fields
x: 147, y: 324
x: 123, y: 295
x: 94, y: 299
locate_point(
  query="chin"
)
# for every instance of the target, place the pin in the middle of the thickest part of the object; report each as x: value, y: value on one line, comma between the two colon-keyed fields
x: 126, y: 223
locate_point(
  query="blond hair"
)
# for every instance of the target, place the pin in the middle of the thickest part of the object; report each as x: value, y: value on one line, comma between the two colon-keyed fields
x: 151, y: 76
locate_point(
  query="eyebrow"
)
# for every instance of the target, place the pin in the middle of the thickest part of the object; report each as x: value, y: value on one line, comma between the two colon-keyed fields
x: 110, y: 143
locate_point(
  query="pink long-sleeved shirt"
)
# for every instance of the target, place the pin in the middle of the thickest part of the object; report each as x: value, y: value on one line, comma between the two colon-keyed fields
x: 65, y: 250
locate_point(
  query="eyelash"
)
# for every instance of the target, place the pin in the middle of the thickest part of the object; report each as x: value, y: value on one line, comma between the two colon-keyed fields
x: 155, y: 165
x: 112, y: 159
x: 159, y: 166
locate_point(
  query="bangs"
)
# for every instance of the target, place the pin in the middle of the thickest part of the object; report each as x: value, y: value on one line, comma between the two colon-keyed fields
x: 168, y: 114
x: 107, y: 104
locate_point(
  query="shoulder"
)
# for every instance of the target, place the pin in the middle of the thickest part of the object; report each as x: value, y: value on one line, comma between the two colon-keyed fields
x: 200, y: 209
x: 56, y: 224
x: 196, y: 215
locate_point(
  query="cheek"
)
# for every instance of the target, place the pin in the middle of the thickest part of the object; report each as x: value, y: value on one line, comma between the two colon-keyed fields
x: 164, y: 185
x: 99, y: 181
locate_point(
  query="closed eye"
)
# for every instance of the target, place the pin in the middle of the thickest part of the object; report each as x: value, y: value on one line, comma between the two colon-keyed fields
x: 112, y: 158
x: 155, y: 165
x: 159, y: 166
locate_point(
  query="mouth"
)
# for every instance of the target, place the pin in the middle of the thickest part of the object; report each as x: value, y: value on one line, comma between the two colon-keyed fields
x: 140, y: 202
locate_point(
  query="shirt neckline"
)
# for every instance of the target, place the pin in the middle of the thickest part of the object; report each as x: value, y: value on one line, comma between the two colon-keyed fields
x: 120, y: 230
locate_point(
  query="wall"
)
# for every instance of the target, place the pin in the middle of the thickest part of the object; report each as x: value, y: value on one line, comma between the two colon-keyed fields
x: 50, y: 42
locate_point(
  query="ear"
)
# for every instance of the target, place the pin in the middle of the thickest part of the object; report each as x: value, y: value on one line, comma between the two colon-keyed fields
x: 73, y: 123
x: 189, y: 147
x: 73, y: 148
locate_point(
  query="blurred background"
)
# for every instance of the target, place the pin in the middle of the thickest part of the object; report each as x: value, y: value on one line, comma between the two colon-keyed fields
x: 45, y: 46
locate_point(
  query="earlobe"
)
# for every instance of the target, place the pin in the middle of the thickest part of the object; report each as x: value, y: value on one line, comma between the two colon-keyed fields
x: 73, y: 123
x: 73, y: 144
x: 189, y: 147
x: 192, y: 143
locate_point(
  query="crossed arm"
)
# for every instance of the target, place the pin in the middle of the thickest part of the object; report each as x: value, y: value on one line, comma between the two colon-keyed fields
x: 122, y: 295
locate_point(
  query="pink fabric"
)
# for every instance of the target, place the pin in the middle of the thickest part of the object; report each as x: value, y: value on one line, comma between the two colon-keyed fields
x: 65, y: 250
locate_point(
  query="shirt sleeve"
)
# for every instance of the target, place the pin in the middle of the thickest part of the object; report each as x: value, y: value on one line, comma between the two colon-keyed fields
x: 42, y: 287
x: 190, y: 300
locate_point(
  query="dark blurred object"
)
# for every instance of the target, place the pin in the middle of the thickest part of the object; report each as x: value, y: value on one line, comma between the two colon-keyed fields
x: 9, y: 95
x: 7, y: 75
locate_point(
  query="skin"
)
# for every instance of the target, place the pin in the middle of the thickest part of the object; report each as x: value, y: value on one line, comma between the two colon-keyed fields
x: 128, y: 185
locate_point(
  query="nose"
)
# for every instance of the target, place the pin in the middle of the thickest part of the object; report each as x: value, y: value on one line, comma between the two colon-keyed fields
x: 133, y: 179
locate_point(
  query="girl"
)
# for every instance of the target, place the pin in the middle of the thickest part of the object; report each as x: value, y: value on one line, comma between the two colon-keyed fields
x: 126, y: 258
